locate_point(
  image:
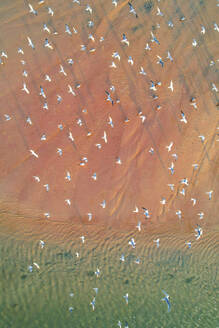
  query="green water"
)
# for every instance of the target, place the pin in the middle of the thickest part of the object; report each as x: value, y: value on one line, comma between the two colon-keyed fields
x: 42, y: 298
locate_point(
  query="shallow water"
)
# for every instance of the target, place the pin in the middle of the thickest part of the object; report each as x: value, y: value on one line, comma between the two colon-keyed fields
x: 42, y: 298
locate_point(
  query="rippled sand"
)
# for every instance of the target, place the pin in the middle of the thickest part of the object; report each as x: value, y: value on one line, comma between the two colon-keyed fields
x: 140, y: 180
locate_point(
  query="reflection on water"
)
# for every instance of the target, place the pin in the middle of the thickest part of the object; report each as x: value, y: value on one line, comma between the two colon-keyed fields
x: 65, y: 280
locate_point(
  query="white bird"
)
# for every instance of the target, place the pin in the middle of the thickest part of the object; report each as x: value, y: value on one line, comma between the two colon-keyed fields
x: 47, y: 215
x: 110, y: 122
x: 71, y: 136
x: 183, y: 119
x: 42, y: 93
x: 125, y: 40
x: 98, y: 146
x: 202, y: 138
x: 113, y: 65
x: 36, y: 265
x: 171, y: 86
x: 25, y: 88
x: 43, y: 137
x: 171, y: 168
x: 92, y: 303
x: 135, y: 210
x: 143, y: 118
x: 97, y: 272
x: 195, y: 166
x: 30, y: 43
x: 45, y: 106
x: 62, y: 70
x: 23, y: 62
x: 169, y: 56
x: 132, y: 243
x: 199, y: 232
x: 175, y: 156
x: 32, y: 11
x: 70, y: 90
x: 142, y: 71
x: 116, y: 55
x: 189, y: 244
x: 209, y: 193
x: 194, y: 105
x: 193, y: 201
x: 119, y: 324
x: 29, y: 121
x: 157, y: 241
x: 184, y: 181
x: 118, y: 161
x: 202, y: 29
x: 130, y: 61
x: 194, y: 43
x: 201, y: 215
x: 82, y: 239
x: 96, y: 290
x: 170, y: 24
x: 147, y: 47
x: 151, y: 150
x: 122, y: 258
x: 68, y: 176
x: 50, y: 11
x: 20, y: 51
x: 68, y: 201
x: 183, y: 192
x: 138, y: 226
x: 132, y: 10
x: 67, y: 29
x: 46, y: 186
x: 3, y: 54
x: 115, y: 3
x: 159, y: 13
x: 59, y: 151
x: 137, y: 261
x: 94, y: 176
x: 76, y: 1
x: 42, y: 243
x: 47, y: 78
x: 126, y: 297
x: 7, y: 117
x: 214, y: 88
x: 103, y: 204
x: 104, y: 137
x: 216, y: 28
x: 88, y: 9
x: 25, y: 74
x: 163, y: 201
x: 89, y: 216
x: 169, y: 147
x: 178, y: 213
x: 33, y: 153
x: 36, y: 178
x: 47, y: 44
x: 77, y: 254
x: 45, y: 28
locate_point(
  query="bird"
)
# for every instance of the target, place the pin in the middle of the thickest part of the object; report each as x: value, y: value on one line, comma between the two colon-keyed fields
x: 160, y: 61
x: 195, y: 166
x: 98, y: 146
x: 116, y: 55
x: 132, y: 10
x: 94, y: 176
x: 171, y: 86
x: 132, y: 243
x: 183, y: 119
x: 67, y: 29
x: 175, y: 156
x: 167, y: 300
x: 70, y: 90
x: 137, y: 261
x: 103, y: 204
x: 25, y: 88
x: 147, y: 47
x: 36, y: 178
x: 142, y: 71
x: 178, y: 213
x: 214, y: 88
x: 7, y: 117
x: 202, y: 138
x: 122, y: 258
x: 34, y: 153
x: 104, y: 137
x: 109, y: 97
x: 32, y: 11
x: 201, y: 215
x: 89, y: 216
x: 70, y: 309
x: 130, y: 61
x: 159, y: 13
x: 183, y: 192
x: 91, y: 37
x: 194, y: 43
x: 119, y: 324
x: 115, y: 3
x: 47, y: 44
x: 171, y: 168
x: 135, y: 210
x: 62, y: 70
x: 50, y: 11
x: 46, y: 186
x: 42, y: 93
x: 45, y: 28
x: 209, y: 193
x: 124, y: 39
x: 216, y: 27
x: 92, y: 303
x: 193, y: 201
x: 42, y: 243
x: 89, y: 9
x: 70, y: 61
x: 47, y: 215
x: 169, y: 56
x: 30, y: 43
x: 171, y: 186
x: 199, y: 232
x: 70, y: 136
x: 157, y: 241
x: 189, y: 244
x: 36, y: 265
x: 118, y: 161
x: 113, y: 65
x: 25, y: 74
x: 29, y: 121
x: 47, y: 78
x: 96, y: 290
x: 97, y: 272
x: 139, y: 226
x: 68, y: 176
x: 202, y: 29
x: 110, y: 122
x: 82, y: 239
x: 184, y: 181
x: 169, y: 146
x: 146, y: 212
x: 30, y: 268
x: 59, y: 151
x: 126, y: 297
x: 170, y: 24
x: 163, y: 201
x: 151, y: 150
x: 154, y: 39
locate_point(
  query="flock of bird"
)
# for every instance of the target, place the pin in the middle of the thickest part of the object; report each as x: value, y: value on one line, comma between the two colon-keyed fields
x: 153, y: 87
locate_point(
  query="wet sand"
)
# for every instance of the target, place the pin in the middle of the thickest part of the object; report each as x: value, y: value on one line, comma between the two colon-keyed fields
x: 141, y: 180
